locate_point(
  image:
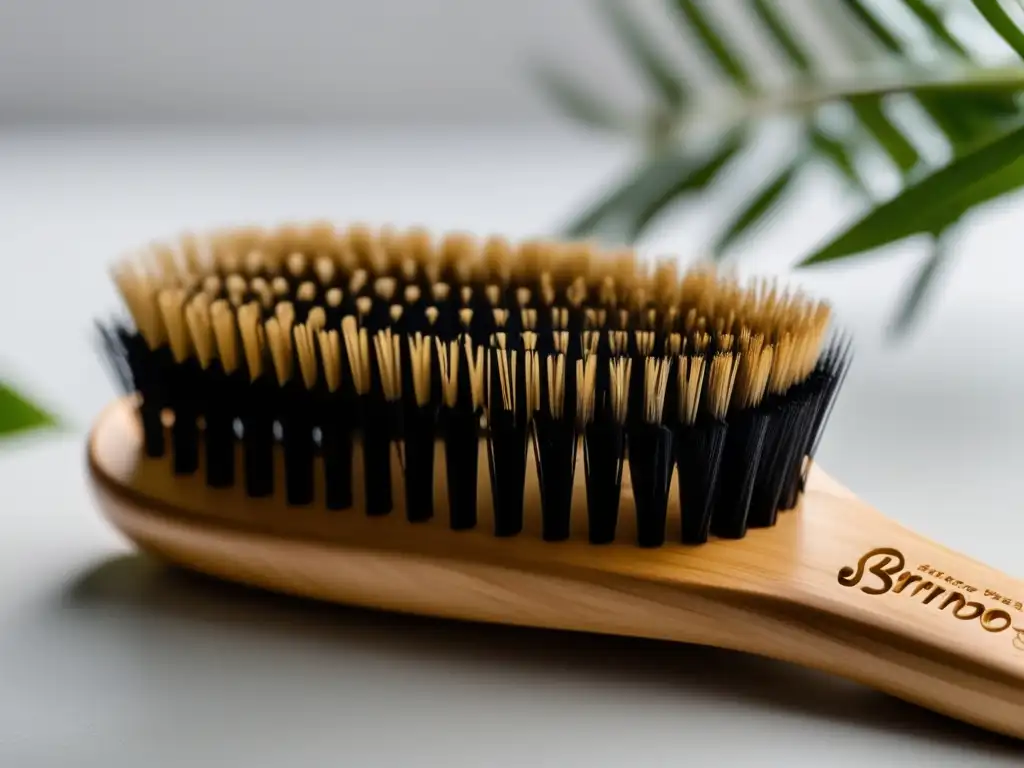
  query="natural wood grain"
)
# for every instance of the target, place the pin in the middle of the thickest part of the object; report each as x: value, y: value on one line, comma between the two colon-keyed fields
x: 776, y: 592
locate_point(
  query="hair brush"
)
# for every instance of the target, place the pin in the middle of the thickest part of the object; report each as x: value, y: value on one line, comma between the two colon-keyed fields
x: 534, y: 433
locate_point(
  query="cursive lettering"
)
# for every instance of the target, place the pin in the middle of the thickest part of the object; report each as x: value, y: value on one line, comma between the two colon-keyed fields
x: 884, y: 563
x: 882, y: 569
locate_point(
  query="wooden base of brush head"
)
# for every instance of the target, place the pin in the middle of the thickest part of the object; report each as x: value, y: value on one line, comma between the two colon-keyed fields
x: 834, y: 585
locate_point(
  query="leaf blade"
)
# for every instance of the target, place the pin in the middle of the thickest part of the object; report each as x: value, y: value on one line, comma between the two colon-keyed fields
x: 760, y: 205
x: 920, y: 287
x: 771, y: 20
x: 1002, y: 24
x: 910, y: 210
x: 726, y: 60
x: 577, y: 101
x: 645, y: 56
x: 19, y: 414
x: 690, y: 179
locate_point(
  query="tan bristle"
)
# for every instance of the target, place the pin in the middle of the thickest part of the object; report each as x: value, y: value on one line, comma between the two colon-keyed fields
x: 782, y: 373
x: 560, y: 341
x: 325, y: 270
x: 529, y: 318
x: 412, y: 294
x: 279, y: 342
x: 334, y: 297
x: 691, y: 381
x: 506, y: 363
x: 431, y: 313
x: 466, y: 317
x: 591, y: 343
x: 225, y: 335
x: 747, y: 378
x: 720, y: 384
x: 556, y: 385
x: 296, y: 264
x: 529, y: 340
x: 477, y: 381
x: 197, y: 318
x: 235, y: 283
x: 493, y: 294
x: 523, y: 296
x: 674, y: 344
x: 358, y: 350
x: 408, y: 268
x: 440, y: 291
x: 500, y: 317
x: 255, y: 263
x: 363, y: 305
x: 395, y: 312
x: 358, y: 281
x: 656, y: 372
x: 306, y: 291
x: 586, y: 379
x: 250, y: 327
x: 280, y: 286
x: 645, y: 342
x: 466, y: 295
x: 499, y: 340
x: 497, y: 255
x: 559, y: 317
x: 385, y: 287
x: 448, y: 365
x: 389, y: 364
x: 621, y: 368
x: 212, y: 285
x: 261, y: 290
x: 317, y: 318
x: 140, y: 297
x: 172, y: 310
x: 618, y: 342
x: 303, y: 337
x: 419, y: 367
x: 531, y: 379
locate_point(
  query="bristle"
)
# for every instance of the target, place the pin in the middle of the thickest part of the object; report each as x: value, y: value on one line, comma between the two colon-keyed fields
x: 171, y: 302
x: 306, y: 330
x: 419, y: 353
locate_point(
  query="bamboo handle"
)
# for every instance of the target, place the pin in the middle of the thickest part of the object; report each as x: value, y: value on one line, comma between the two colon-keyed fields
x: 834, y: 586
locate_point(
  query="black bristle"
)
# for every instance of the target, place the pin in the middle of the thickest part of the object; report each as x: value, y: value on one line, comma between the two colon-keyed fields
x: 258, y: 413
x: 184, y: 395
x: 555, y: 446
x: 219, y: 435
x: 698, y: 453
x: 149, y: 370
x: 741, y: 457
x: 650, y: 468
x: 336, y: 447
x: 296, y: 418
x: 780, y: 444
x: 420, y: 432
x: 376, y: 436
x: 462, y: 461
x: 603, y: 449
x: 506, y: 454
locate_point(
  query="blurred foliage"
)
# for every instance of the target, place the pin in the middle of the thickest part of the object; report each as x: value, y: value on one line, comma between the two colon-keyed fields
x: 910, y: 82
x: 17, y: 414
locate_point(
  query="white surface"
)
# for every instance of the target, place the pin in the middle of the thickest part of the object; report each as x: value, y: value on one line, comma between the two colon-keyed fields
x: 108, y: 661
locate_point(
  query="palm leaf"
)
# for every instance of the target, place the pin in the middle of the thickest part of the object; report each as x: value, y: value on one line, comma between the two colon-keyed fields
x: 976, y: 108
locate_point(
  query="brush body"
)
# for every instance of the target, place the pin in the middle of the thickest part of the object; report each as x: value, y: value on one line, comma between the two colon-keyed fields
x: 834, y: 585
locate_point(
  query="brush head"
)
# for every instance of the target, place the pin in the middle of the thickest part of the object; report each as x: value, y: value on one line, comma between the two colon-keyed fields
x: 319, y: 340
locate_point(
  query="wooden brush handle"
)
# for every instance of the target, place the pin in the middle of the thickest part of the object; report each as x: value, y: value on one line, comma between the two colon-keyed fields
x: 834, y: 586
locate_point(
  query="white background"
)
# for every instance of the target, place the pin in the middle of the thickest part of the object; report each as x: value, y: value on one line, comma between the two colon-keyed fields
x: 128, y: 120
